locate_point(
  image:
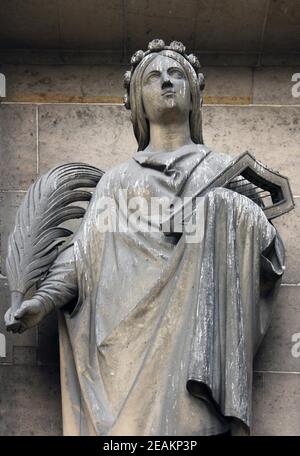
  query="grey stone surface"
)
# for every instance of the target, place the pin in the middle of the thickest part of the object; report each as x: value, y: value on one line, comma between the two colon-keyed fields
x: 282, y: 27
x: 19, y: 29
x: 272, y: 134
x: 66, y: 57
x: 9, y: 203
x: 257, y: 397
x: 17, y: 146
x: 273, y: 85
x: 228, y: 85
x: 24, y: 356
x: 223, y: 25
x: 275, y: 353
x: 102, y: 27
x: 280, y: 58
x: 30, y: 401
x: 276, y: 404
x: 98, y: 135
x: 148, y: 20
x: 288, y: 227
x: 102, y: 57
x: 54, y: 25
x: 63, y: 83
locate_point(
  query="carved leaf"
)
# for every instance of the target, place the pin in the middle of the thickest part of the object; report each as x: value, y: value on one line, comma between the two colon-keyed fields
x: 33, y: 244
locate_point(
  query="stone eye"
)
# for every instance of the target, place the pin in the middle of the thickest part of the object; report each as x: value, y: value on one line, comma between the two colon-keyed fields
x: 176, y: 73
x: 153, y: 77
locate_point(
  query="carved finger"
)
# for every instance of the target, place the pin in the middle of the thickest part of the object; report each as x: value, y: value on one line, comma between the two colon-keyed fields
x: 22, y: 311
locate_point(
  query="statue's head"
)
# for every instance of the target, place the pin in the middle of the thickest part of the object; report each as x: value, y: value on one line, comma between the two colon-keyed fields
x: 164, y: 83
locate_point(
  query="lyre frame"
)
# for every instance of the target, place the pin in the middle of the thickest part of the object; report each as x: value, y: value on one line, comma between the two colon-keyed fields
x: 255, y: 173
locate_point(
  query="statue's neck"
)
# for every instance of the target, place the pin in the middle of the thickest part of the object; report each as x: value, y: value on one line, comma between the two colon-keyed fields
x: 167, y: 138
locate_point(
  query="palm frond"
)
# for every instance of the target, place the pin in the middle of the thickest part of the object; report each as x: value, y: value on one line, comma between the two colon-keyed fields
x: 33, y: 244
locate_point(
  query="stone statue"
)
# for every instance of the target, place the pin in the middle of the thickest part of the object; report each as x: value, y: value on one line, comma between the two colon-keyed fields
x: 158, y: 329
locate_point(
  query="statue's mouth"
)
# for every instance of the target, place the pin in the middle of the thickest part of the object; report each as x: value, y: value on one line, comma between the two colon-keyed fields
x: 168, y: 92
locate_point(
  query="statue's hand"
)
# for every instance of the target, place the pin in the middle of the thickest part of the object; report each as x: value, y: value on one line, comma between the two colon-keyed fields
x: 28, y: 315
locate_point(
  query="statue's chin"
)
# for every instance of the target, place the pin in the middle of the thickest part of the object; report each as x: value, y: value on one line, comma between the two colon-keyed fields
x: 170, y: 101
x: 170, y: 111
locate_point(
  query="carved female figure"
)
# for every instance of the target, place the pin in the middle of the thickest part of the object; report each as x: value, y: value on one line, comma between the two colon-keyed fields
x: 158, y: 333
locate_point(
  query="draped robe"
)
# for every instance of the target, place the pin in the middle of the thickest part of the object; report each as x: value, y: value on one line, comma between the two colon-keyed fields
x: 163, y: 334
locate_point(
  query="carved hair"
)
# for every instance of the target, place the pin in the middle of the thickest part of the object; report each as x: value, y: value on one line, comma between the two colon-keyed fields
x: 133, y: 85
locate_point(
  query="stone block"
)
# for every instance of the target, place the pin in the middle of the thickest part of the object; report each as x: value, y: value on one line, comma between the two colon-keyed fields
x: 22, y: 32
x: 272, y: 134
x: 96, y: 24
x: 273, y: 85
x: 228, y: 85
x: 280, y: 59
x: 282, y: 27
x: 98, y: 135
x: 235, y: 28
x: 17, y: 146
x: 147, y: 20
x: 275, y: 353
x: 24, y: 356
x: 30, y: 401
x: 276, y: 405
x: 257, y: 396
x: 64, y: 83
x: 9, y: 204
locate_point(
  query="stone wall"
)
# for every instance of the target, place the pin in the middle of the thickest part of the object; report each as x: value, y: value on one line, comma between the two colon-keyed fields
x: 61, y: 113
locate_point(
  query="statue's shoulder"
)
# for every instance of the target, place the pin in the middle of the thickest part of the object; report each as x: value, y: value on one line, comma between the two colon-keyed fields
x: 218, y: 158
x: 115, y: 176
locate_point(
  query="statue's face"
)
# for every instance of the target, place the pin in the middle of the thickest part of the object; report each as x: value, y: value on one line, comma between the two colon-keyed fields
x: 165, y: 91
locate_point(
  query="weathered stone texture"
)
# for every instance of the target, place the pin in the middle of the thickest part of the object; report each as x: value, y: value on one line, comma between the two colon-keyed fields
x: 98, y: 135
x: 275, y: 353
x: 276, y: 404
x: 229, y: 85
x: 273, y: 85
x: 30, y: 400
x: 270, y: 133
x: 17, y: 146
x: 288, y: 227
x: 67, y: 83
x: 9, y: 203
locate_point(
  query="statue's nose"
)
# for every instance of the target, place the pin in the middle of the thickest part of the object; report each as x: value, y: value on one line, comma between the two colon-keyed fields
x: 166, y: 82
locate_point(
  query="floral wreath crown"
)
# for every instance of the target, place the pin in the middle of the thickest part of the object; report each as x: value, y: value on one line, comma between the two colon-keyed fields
x: 158, y: 45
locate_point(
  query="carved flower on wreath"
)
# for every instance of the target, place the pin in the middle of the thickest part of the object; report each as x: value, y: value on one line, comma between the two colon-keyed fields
x: 156, y: 45
x: 137, y: 57
x: 126, y: 79
x: 126, y: 101
x: 194, y: 61
x: 201, y: 80
x: 177, y: 46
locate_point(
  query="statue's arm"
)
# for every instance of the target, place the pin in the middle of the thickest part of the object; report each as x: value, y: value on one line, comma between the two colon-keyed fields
x: 60, y: 285
x: 57, y: 290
